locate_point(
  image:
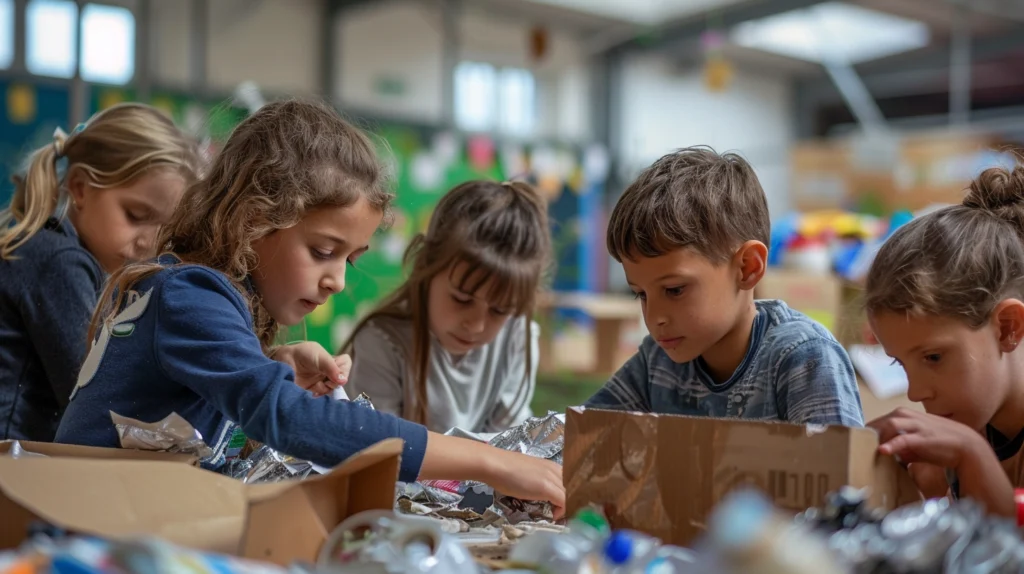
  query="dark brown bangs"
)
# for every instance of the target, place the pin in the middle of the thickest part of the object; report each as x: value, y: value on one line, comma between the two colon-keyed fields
x: 514, y: 284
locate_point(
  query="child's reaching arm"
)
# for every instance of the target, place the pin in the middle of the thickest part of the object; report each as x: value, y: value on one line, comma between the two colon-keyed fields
x: 816, y: 384
x: 915, y: 437
x: 205, y: 343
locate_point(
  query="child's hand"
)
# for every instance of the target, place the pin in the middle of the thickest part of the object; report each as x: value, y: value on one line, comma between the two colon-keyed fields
x: 527, y: 477
x: 316, y: 370
x: 913, y: 436
x: 930, y: 479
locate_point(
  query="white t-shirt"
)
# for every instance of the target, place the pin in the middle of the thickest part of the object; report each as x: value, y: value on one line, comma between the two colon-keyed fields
x: 486, y: 390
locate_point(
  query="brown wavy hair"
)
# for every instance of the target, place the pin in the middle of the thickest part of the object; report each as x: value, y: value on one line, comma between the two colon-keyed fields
x: 494, y: 230
x: 114, y: 148
x: 286, y: 159
x: 960, y: 261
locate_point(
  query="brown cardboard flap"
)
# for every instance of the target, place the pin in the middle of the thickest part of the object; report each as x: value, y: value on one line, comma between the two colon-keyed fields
x: 290, y: 521
x: 662, y: 474
x: 126, y: 498
x: 76, y: 451
x: 280, y: 522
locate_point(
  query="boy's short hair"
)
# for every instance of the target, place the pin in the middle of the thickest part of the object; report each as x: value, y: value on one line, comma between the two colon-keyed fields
x: 693, y: 197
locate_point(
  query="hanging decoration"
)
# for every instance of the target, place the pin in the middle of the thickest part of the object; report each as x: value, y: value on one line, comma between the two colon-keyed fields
x: 718, y: 70
x: 480, y: 150
x: 539, y: 42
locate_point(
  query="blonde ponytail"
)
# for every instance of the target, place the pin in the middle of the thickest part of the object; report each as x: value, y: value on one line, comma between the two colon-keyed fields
x: 114, y: 148
x: 36, y: 197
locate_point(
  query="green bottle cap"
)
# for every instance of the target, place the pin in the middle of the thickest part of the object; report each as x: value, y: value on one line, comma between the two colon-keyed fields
x: 593, y: 519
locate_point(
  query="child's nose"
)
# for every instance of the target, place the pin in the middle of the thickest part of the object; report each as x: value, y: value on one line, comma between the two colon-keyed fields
x: 334, y: 282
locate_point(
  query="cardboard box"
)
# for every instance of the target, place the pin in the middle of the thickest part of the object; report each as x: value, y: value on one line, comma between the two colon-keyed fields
x: 74, y: 451
x: 278, y: 522
x: 663, y: 474
x: 819, y: 296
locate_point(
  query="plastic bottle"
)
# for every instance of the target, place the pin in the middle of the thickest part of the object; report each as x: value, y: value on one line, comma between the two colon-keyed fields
x: 747, y: 536
x: 571, y: 553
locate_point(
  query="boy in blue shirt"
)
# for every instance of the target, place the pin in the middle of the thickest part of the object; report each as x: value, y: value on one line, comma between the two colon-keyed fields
x: 691, y: 234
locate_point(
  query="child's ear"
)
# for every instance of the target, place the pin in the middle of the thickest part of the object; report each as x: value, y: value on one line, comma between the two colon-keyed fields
x: 1009, y: 318
x: 77, y: 185
x: 751, y: 261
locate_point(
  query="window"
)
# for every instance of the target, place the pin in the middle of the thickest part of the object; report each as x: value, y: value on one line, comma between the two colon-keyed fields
x: 488, y: 98
x: 517, y: 94
x: 6, y: 33
x: 475, y: 96
x: 52, y: 30
x: 108, y: 44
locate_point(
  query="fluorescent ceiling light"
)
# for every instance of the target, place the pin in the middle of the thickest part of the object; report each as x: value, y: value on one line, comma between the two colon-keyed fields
x: 647, y: 12
x: 832, y: 30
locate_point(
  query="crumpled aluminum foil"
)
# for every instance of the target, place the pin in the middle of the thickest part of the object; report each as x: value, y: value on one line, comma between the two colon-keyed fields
x: 363, y: 400
x: 18, y: 451
x: 934, y: 536
x: 542, y: 437
x: 171, y: 434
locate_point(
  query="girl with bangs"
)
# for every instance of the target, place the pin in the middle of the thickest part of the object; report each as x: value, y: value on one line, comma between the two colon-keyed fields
x: 454, y: 345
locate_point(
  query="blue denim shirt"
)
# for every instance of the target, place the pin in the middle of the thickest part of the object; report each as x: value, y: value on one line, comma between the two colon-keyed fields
x: 47, y: 296
x: 794, y: 370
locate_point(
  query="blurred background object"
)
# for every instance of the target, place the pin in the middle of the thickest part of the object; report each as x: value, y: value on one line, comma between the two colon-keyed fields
x: 854, y: 114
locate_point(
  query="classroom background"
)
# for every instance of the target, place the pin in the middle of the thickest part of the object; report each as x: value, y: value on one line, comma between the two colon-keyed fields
x: 856, y: 115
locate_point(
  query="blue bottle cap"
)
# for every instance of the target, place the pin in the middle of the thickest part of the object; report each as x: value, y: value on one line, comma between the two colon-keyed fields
x: 619, y: 548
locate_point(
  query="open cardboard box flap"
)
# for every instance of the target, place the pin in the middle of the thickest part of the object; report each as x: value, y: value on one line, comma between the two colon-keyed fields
x: 663, y: 474
x: 280, y: 522
x: 76, y: 451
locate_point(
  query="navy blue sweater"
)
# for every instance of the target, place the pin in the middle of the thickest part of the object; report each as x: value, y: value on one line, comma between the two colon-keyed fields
x: 47, y: 296
x: 184, y: 343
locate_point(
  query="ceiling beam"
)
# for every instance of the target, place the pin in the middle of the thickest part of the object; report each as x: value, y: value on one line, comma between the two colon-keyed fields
x: 908, y: 73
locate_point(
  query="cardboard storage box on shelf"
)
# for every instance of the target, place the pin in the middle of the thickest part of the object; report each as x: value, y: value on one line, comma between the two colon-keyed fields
x: 819, y: 296
x: 663, y: 474
x: 277, y: 522
x: 75, y: 451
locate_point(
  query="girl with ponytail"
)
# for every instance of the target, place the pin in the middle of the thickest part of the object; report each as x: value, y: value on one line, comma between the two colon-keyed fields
x: 86, y: 203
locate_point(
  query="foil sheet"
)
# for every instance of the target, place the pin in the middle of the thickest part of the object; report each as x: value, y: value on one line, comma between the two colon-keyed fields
x: 934, y: 536
x: 363, y: 400
x: 18, y: 451
x: 171, y: 434
x: 541, y: 437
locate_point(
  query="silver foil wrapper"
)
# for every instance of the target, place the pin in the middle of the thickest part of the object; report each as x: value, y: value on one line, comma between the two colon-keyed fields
x: 18, y: 451
x: 172, y: 434
x: 542, y: 437
x: 363, y: 400
x: 934, y: 536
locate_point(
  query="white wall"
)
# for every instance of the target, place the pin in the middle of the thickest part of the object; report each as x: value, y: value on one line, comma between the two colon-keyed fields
x: 403, y: 42
x: 399, y: 42
x: 275, y: 43
x: 664, y: 109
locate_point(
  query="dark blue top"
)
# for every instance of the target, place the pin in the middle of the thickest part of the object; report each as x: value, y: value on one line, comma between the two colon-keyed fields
x: 47, y: 296
x: 184, y: 343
